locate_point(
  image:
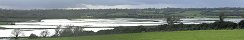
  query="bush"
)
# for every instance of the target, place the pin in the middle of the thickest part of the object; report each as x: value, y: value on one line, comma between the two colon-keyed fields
x: 241, y: 24
x: 33, y: 36
x: 224, y: 25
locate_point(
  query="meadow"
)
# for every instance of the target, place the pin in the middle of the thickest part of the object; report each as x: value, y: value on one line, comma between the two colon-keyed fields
x: 174, y: 35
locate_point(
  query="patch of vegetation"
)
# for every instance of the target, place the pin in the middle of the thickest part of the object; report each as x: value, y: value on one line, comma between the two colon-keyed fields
x: 225, y: 16
x: 190, y: 14
x: 4, y: 23
x: 1, y: 27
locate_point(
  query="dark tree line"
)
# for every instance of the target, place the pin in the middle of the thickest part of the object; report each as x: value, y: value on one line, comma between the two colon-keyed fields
x: 76, y: 31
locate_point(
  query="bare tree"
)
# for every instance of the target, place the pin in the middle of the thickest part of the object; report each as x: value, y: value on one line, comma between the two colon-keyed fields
x: 44, y: 33
x: 221, y: 16
x: 16, y: 33
x: 77, y: 31
x: 171, y: 20
x: 57, y: 31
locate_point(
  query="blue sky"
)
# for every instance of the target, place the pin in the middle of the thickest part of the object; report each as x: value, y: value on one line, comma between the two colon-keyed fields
x: 97, y: 4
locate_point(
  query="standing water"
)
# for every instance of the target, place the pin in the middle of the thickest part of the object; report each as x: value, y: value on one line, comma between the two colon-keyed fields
x: 53, y: 23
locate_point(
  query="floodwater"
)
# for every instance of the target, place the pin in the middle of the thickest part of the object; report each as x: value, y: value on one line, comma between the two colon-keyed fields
x: 113, y: 22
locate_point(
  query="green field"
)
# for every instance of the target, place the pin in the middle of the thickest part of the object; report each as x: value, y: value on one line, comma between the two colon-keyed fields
x: 177, y: 35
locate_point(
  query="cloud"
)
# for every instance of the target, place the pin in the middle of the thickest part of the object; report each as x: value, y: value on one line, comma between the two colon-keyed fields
x: 32, y: 4
x: 26, y: 4
x: 125, y: 6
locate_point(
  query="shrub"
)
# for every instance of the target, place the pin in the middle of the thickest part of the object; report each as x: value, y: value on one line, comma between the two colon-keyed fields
x: 33, y: 36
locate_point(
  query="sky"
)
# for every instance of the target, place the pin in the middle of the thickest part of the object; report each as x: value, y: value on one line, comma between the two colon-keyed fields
x: 104, y: 4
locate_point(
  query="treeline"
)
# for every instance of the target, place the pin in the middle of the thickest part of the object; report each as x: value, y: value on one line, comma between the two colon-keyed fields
x: 218, y: 25
x: 116, y: 13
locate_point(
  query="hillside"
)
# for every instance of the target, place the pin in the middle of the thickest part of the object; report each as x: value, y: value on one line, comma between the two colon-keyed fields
x: 117, y: 13
x: 11, y: 15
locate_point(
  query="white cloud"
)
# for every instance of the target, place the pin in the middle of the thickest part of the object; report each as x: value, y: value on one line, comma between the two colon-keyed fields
x: 89, y: 6
x: 81, y: 4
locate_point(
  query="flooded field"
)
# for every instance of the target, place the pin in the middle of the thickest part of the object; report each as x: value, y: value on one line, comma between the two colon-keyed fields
x: 113, y: 22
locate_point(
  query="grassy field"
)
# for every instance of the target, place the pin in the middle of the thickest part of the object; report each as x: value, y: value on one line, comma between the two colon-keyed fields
x: 177, y: 35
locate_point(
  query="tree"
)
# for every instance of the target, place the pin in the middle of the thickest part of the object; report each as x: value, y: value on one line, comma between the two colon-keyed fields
x: 44, y: 33
x: 16, y: 33
x: 221, y: 16
x: 33, y: 36
x: 171, y: 20
x: 67, y: 32
x: 241, y: 24
x: 57, y: 31
x: 77, y: 31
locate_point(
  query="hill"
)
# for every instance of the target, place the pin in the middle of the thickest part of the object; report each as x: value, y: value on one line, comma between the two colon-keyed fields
x: 11, y: 15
